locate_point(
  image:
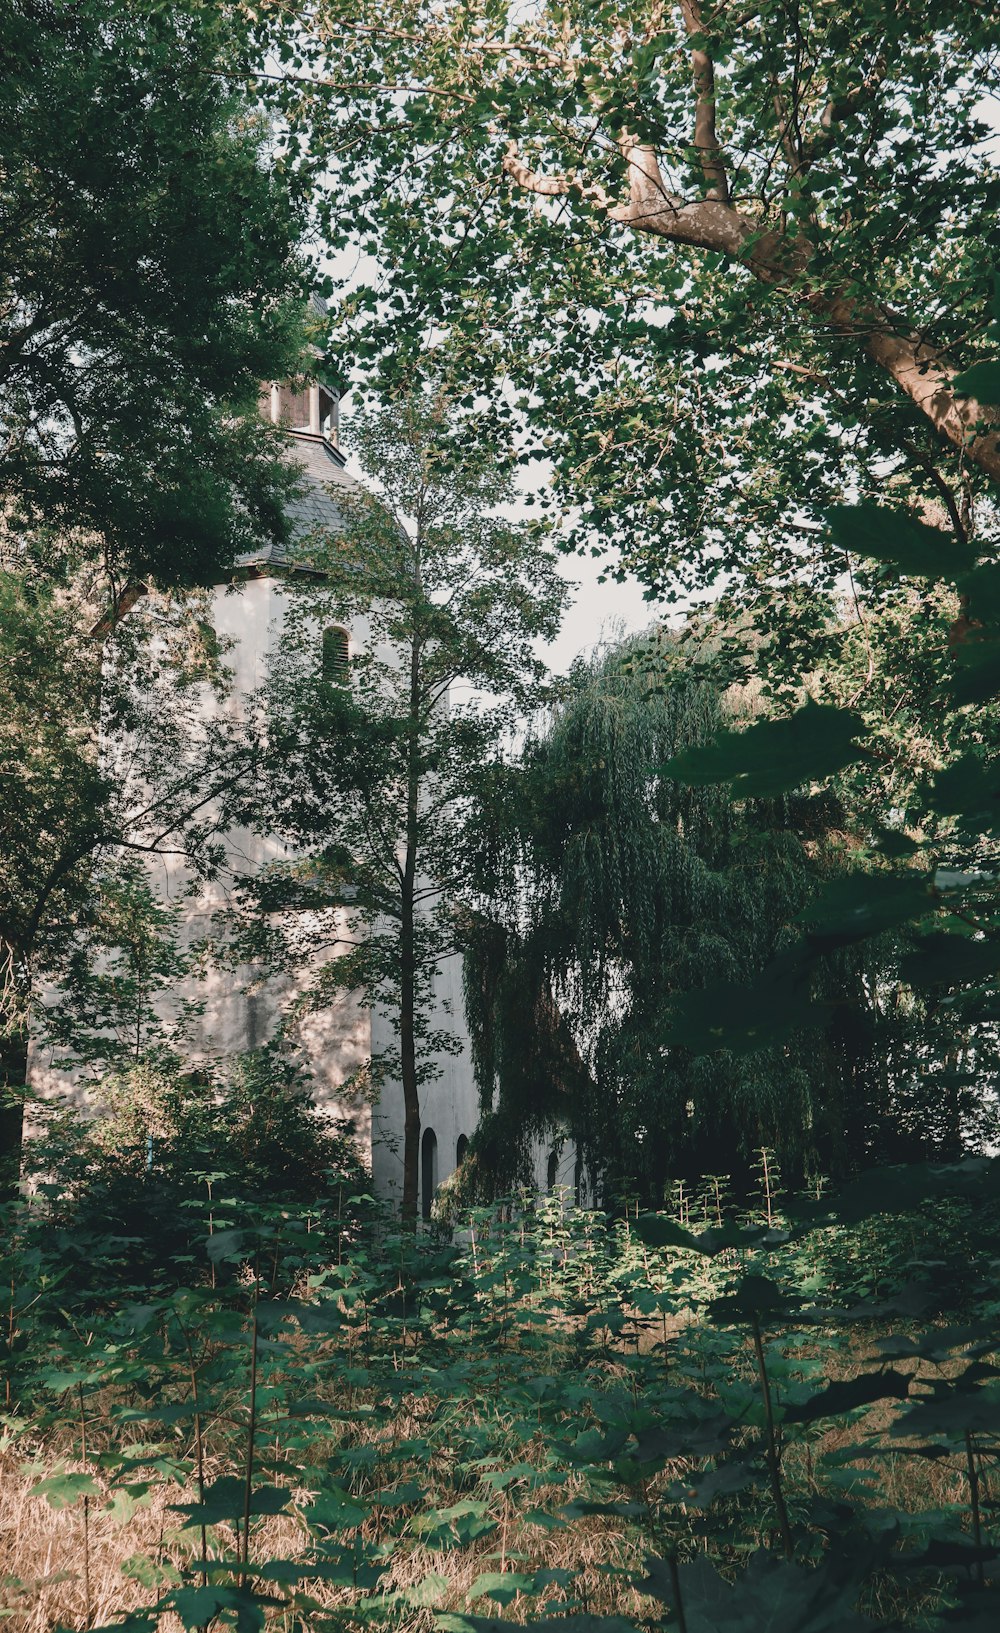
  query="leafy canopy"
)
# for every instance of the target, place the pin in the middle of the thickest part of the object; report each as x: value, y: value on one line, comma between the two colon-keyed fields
x: 152, y: 277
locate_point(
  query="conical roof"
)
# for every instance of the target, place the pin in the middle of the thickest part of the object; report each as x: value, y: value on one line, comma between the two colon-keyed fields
x: 315, y: 505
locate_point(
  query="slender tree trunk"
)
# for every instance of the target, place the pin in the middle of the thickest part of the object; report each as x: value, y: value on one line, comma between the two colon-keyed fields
x: 408, y: 958
x: 13, y: 1069
x: 408, y: 1053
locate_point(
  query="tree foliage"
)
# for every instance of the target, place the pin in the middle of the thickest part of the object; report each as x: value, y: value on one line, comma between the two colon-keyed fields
x: 626, y: 913
x: 152, y: 278
x: 107, y: 762
x: 371, y: 770
x: 732, y: 261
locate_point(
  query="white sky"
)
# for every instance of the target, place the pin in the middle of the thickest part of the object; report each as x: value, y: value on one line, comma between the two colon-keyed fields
x: 597, y: 610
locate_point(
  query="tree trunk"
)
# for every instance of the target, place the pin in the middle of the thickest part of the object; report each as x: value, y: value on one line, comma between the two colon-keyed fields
x: 408, y: 1054
x: 408, y: 958
x: 13, y: 1069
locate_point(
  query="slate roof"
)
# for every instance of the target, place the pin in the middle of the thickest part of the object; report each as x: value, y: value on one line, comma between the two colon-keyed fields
x: 315, y: 506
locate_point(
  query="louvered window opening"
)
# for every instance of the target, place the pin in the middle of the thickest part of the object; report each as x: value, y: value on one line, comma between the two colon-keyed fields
x: 336, y: 655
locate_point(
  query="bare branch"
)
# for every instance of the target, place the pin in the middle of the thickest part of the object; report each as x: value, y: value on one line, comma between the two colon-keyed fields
x: 530, y: 180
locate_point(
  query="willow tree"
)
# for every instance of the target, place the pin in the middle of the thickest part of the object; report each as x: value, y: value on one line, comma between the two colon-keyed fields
x: 612, y: 897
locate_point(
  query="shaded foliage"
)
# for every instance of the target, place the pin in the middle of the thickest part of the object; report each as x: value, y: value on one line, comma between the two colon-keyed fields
x: 632, y: 911
x: 163, y: 1146
x: 152, y: 278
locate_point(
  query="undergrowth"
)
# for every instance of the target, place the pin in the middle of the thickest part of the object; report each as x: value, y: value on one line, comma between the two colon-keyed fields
x: 310, y: 1421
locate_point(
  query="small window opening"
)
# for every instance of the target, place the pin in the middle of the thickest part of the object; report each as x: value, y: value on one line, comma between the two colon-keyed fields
x: 551, y: 1169
x: 336, y: 654
x: 329, y: 414
x: 428, y: 1171
x: 460, y: 1149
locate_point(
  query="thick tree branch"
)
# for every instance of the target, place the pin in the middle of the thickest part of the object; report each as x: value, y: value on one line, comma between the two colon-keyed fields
x: 920, y: 370
x: 713, y: 165
x: 706, y: 223
x: 916, y: 367
x: 531, y: 181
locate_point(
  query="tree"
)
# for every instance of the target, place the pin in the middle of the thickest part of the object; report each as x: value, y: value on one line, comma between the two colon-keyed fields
x: 152, y: 277
x: 737, y: 265
x: 733, y: 259
x: 612, y: 897
x: 81, y: 817
x: 374, y: 757
x: 637, y: 973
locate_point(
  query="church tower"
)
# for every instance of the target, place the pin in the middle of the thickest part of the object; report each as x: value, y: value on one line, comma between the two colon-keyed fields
x: 231, y: 1010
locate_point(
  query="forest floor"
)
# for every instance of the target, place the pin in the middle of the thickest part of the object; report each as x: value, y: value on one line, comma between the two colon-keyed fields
x: 559, y: 1417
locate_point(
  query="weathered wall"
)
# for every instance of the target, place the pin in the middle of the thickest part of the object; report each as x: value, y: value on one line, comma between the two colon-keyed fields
x: 449, y: 1105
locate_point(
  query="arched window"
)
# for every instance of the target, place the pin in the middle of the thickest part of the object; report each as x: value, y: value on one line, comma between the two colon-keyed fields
x: 336, y: 654
x: 460, y: 1150
x: 551, y: 1169
x: 428, y: 1171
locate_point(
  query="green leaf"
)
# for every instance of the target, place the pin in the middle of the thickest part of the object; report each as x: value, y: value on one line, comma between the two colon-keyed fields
x: 753, y: 1296
x: 429, y: 1591
x: 335, y: 1510
x: 977, y: 671
x: 225, y: 1499
x: 849, y: 1394
x: 63, y: 1490
x: 981, y: 381
x: 946, y: 1417
x: 225, y: 1244
x: 941, y: 1555
x: 775, y: 756
x: 949, y: 960
x: 542, y: 1518
x: 980, y: 591
x: 704, y: 1489
x: 147, y: 1572
x: 458, y: 1525
x: 865, y: 904
x: 197, y: 1607
x: 658, y: 1230
x: 969, y: 789
x: 503, y: 1586
x: 900, y: 541
x: 770, y: 1596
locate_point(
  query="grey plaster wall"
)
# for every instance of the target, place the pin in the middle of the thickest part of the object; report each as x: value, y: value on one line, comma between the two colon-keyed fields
x: 449, y: 1105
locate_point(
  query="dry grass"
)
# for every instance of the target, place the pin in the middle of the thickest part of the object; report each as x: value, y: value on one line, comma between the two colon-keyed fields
x: 43, y: 1579
x: 77, y: 1568
x: 54, y: 1563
